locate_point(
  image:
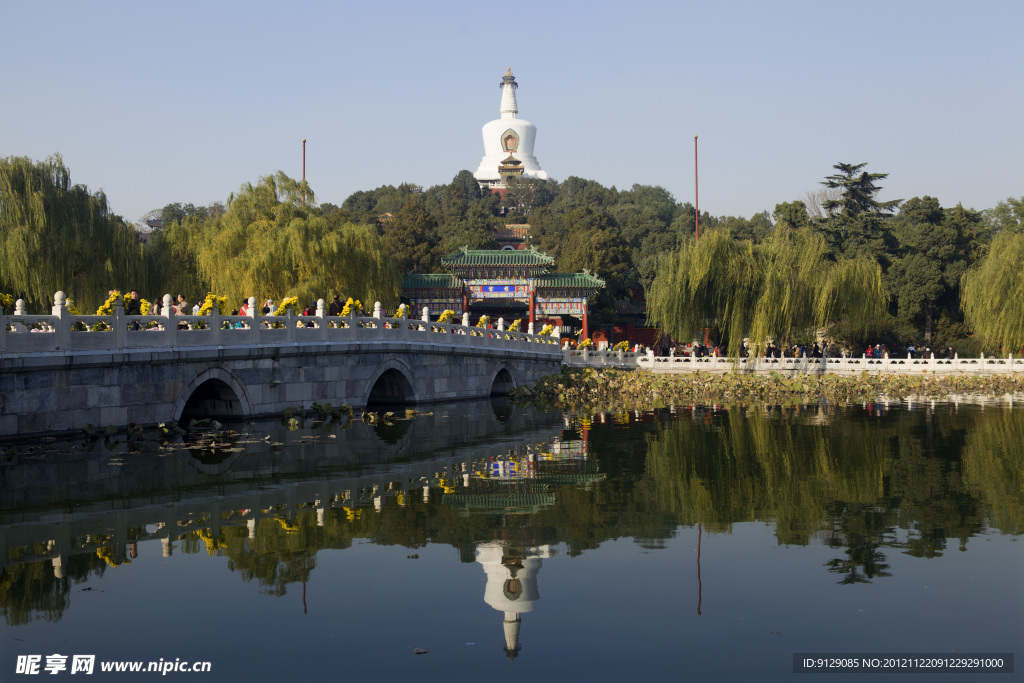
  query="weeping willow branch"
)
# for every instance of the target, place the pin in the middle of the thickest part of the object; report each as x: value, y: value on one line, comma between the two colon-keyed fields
x: 776, y: 289
x: 993, y: 293
x: 58, y: 236
x: 270, y: 243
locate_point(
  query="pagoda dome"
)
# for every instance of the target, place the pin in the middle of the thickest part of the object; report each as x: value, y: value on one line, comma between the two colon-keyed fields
x: 506, y: 136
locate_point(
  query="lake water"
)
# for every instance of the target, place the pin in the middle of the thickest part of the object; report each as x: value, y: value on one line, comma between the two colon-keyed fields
x: 485, y: 541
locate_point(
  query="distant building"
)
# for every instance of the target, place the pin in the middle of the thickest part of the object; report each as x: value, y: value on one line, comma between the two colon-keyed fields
x: 508, y: 144
x: 504, y: 283
x: 513, y: 236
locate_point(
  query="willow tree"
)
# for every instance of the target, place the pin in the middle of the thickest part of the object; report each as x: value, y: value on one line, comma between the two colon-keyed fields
x: 58, y: 236
x: 772, y: 290
x: 992, y: 294
x: 271, y: 242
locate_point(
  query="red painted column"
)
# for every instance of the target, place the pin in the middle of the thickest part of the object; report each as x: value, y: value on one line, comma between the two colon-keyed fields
x: 586, y: 332
x: 465, y: 301
x: 533, y: 306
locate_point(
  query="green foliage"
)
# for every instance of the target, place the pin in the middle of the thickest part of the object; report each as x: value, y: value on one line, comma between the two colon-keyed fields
x: 526, y: 194
x: 775, y: 290
x: 271, y: 244
x: 792, y: 215
x: 171, y: 257
x: 58, y: 236
x: 993, y: 293
x: 858, y: 192
x: 1006, y: 215
x: 856, y: 225
x: 932, y: 258
x: 411, y: 239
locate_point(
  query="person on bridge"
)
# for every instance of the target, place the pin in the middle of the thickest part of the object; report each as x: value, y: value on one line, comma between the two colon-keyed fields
x: 134, y: 305
x: 335, y: 307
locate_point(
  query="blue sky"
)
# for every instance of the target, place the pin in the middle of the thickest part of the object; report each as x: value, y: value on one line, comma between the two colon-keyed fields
x: 159, y: 102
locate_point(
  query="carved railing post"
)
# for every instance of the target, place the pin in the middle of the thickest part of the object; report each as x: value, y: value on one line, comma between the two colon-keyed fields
x: 321, y: 319
x: 63, y: 323
x: 19, y: 312
x: 289, y: 324
x: 170, y: 326
x: 425, y: 317
x: 378, y: 313
x: 119, y: 325
x: 215, y: 323
x: 501, y: 324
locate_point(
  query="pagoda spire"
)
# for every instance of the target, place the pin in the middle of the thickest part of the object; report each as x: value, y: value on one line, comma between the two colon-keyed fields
x: 509, y: 108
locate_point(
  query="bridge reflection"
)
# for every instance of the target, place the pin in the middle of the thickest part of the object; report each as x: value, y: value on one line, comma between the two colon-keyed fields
x: 281, y: 501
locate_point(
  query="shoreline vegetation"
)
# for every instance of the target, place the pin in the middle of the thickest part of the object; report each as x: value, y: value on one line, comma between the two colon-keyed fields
x: 578, y: 388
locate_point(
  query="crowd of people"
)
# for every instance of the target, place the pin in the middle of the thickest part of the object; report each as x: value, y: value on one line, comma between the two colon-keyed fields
x: 700, y: 350
x: 814, y: 350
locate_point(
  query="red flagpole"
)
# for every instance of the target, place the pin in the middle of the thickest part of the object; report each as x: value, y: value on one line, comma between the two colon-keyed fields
x: 303, y: 159
x: 696, y: 194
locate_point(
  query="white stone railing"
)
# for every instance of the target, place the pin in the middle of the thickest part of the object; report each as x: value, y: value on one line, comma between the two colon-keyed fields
x: 603, y: 358
x: 843, y: 366
x: 23, y: 334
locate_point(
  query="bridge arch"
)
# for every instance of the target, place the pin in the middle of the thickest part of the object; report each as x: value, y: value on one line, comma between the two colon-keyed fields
x: 391, y: 382
x: 503, y: 379
x: 214, y: 392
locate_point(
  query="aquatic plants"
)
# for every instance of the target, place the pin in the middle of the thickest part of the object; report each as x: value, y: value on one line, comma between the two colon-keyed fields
x: 586, y: 387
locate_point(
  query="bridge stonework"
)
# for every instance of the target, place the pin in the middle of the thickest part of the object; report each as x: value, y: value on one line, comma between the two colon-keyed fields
x: 62, y: 380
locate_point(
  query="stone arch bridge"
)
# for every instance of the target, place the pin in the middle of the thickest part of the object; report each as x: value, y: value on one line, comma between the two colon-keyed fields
x: 61, y: 372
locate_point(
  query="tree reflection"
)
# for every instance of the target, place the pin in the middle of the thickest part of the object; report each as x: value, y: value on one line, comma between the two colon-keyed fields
x: 864, y: 483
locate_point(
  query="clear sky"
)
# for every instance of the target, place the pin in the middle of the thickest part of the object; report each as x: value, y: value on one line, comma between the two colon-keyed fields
x: 159, y: 102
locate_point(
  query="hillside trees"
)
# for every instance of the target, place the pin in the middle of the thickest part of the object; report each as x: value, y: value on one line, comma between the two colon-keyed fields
x: 58, y: 236
x: 411, y: 238
x: 526, y: 194
x: 1006, y: 215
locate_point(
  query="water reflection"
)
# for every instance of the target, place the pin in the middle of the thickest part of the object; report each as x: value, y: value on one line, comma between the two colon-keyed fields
x: 511, y: 585
x: 507, y: 486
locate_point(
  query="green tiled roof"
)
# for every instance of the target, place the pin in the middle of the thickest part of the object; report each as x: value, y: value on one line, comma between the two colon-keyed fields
x: 431, y: 281
x: 567, y: 280
x: 497, y: 257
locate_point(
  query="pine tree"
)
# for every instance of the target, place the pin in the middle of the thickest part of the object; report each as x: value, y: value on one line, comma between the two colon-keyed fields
x: 856, y: 220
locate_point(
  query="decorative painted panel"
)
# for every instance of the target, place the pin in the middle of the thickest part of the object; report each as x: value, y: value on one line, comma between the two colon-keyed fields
x: 560, y: 306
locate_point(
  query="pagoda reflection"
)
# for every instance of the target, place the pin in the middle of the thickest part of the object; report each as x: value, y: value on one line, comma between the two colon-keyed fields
x: 515, y: 487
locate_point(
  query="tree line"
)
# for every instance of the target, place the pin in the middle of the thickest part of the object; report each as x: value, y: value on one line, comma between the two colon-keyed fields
x: 840, y: 259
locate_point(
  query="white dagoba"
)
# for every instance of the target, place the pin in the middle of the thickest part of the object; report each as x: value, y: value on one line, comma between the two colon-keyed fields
x: 508, y: 140
x: 511, y: 585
